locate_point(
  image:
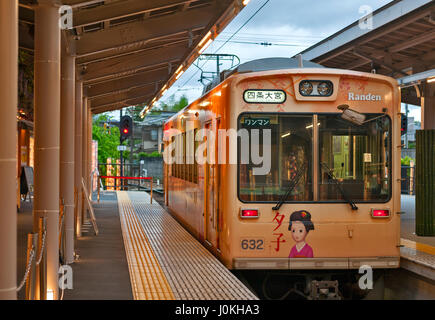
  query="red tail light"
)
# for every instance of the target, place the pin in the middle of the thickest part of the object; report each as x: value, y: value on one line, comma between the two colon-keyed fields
x: 249, y: 213
x: 380, y: 213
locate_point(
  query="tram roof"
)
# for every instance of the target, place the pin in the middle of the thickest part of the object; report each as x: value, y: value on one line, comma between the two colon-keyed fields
x: 401, y: 42
x: 128, y: 50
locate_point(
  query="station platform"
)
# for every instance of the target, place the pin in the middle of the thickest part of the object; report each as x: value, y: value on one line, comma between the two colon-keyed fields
x: 165, y: 261
x: 417, y: 253
x: 418, y: 258
x: 143, y: 253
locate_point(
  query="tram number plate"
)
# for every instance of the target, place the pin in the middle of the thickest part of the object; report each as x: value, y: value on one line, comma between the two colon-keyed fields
x: 252, y: 244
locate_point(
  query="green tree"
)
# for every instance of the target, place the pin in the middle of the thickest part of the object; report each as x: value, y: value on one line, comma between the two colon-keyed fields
x: 173, y: 105
x: 134, y: 112
x: 108, y: 139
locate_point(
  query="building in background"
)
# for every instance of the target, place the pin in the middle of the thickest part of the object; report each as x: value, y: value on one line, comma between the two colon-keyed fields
x: 408, y: 139
x: 150, y: 132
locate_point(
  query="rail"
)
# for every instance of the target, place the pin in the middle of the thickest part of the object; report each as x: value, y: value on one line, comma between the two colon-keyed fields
x: 128, y: 178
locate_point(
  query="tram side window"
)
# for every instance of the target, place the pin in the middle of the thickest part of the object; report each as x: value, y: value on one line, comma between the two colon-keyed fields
x: 357, y: 155
x: 191, y: 164
x: 185, y: 166
x: 178, y: 156
x: 183, y: 157
x: 291, y: 158
x: 195, y: 163
x: 173, y: 165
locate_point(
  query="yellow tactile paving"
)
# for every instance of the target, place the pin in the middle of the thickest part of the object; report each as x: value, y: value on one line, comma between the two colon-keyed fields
x: 147, y: 278
x: 192, y: 272
x: 418, y: 246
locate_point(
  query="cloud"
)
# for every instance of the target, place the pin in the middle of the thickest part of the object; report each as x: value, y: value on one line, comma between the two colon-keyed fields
x: 318, y: 16
x: 289, y: 25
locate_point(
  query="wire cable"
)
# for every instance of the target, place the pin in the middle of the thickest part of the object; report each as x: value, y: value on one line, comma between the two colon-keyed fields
x: 226, y: 41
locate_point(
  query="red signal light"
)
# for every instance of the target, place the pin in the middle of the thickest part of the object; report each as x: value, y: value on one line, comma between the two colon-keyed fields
x: 126, y: 131
x: 249, y: 213
x: 380, y: 213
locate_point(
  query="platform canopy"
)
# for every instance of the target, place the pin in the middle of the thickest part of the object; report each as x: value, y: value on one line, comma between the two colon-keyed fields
x: 129, y: 51
x: 398, y: 41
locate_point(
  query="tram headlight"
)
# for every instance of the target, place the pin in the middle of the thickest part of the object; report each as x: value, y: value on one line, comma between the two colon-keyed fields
x: 306, y: 88
x: 324, y: 88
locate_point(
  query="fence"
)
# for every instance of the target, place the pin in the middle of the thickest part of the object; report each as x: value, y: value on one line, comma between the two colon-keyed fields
x: 123, y: 186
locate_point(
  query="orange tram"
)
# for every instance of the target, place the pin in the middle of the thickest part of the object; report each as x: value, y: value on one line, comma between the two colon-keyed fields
x: 301, y: 172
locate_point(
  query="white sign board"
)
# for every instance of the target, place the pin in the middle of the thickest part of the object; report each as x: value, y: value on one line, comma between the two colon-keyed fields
x: 122, y: 148
x: 264, y: 96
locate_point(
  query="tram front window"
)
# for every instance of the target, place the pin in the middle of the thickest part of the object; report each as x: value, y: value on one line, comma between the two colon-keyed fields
x: 291, y: 153
x: 358, y: 156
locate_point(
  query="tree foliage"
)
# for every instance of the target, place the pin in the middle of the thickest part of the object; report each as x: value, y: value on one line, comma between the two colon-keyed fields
x: 173, y: 105
x: 107, y: 137
x: 134, y: 112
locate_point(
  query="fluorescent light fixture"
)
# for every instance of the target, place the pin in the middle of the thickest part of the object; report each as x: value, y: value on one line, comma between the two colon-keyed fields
x: 430, y: 80
x: 286, y: 134
x: 205, y: 46
x: 164, y: 87
x: 205, y: 38
x: 179, y: 72
x: 245, y: 2
x: 179, y: 75
x: 179, y: 68
x: 164, y: 91
x: 219, y: 93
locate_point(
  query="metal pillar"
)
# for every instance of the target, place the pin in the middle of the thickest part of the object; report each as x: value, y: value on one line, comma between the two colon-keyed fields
x: 47, y: 132
x: 84, y: 153
x: 67, y: 150
x: 89, y: 158
x: 78, y: 156
x: 8, y: 157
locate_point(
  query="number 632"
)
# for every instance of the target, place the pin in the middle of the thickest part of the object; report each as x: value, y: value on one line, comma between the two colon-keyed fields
x: 252, y: 244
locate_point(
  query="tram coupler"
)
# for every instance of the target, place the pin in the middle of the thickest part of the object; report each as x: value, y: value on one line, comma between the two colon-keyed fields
x: 324, y: 290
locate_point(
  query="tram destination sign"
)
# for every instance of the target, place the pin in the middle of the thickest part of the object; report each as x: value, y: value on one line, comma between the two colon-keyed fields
x: 264, y: 96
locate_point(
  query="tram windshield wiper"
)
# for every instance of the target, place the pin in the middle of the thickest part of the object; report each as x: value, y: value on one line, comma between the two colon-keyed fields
x: 331, y: 175
x: 293, y: 183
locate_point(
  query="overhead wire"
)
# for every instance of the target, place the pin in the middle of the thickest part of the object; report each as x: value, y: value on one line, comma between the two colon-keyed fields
x: 226, y: 41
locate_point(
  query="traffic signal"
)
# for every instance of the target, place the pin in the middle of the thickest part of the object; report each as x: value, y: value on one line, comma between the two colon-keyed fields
x: 125, y: 127
x: 404, y: 124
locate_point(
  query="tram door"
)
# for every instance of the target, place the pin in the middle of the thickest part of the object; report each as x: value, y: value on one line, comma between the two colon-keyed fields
x: 211, y: 182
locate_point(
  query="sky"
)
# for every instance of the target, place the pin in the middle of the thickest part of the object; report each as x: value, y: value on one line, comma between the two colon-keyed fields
x: 289, y: 25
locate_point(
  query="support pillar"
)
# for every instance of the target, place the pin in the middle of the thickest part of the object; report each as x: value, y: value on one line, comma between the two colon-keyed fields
x: 78, y: 156
x: 84, y: 154
x: 8, y: 157
x: 67, y: 151
x: 89, y: 149
x: 47, y: 133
